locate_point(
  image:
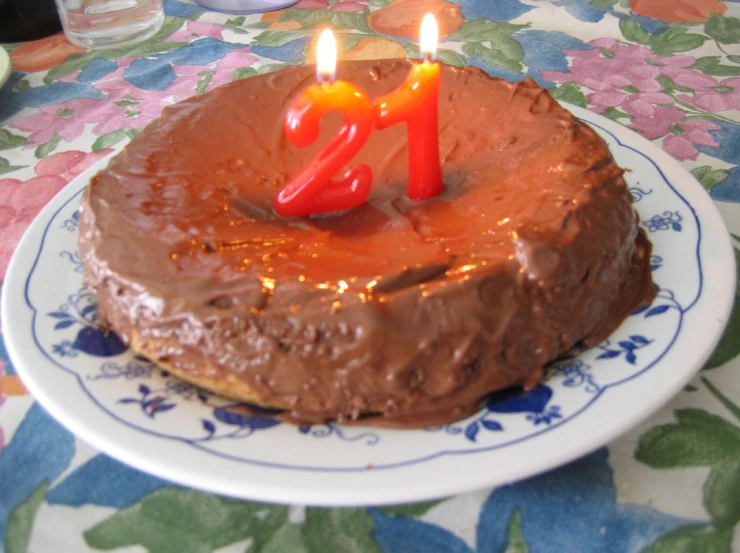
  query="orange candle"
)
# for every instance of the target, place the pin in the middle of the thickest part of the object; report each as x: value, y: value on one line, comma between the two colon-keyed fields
x: 312, y: 189
x: 415, y: 103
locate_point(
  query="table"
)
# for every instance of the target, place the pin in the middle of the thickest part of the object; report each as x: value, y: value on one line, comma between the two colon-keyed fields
x: 668, y: 69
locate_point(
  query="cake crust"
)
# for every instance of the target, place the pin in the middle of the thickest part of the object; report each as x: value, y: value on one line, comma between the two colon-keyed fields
x: 397, y: 312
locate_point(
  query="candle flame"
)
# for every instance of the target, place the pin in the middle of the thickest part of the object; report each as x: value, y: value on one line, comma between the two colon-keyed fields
x: 326, y: 56
x: 429, y: 36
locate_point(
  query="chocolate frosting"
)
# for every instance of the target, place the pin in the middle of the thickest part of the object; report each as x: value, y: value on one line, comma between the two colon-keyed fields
x: 396, y: 312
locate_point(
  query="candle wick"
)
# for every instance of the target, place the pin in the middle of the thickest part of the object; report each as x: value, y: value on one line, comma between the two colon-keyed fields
x: 325, y: 78
x: 428, y: 56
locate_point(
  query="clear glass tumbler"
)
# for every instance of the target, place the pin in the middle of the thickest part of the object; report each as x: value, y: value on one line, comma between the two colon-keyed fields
x: 97, y: 24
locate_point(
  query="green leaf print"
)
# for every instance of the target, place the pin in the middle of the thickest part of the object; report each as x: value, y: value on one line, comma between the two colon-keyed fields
x: 345, y: 530
x: 615, y: 114
x: 725, y: 30
x: 603, y: 3
x: 308, y: 18
x: 48, y: 147
x: 287, y: 539
x: 20, y: 521
x: 733, y: 59
x: 278, y: 38
x: 698, y: 439
x: 711, y: 66
x: 351, y: 21
x: 450, y: 57
x: 483, y: 30
x: 722, y: 493
x: 72, y: 64
x: 698, y: 539
x: 410, y: 510
x: 493, y: 57
x: 633, y: 31
x: 724, y: 400
x: 515, y: 535
x: 6, y: 167
x: 674, y: 40
x: 729, y: 345
x: 173, y: 520
x: 9, y: 140
x: 108, y: 140
x: 243, y: 72
x: 571, y: 93
x: 709, y: 177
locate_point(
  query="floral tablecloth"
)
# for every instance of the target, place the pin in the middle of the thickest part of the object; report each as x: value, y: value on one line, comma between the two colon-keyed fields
x: 668, y: 69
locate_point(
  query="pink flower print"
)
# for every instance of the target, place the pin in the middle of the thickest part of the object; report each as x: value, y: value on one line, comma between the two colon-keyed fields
x: 685, y: 134
x: 341, y: 6
x: 128, y: 107
x: 625, y: 76
x: 716, y: 96
x: 312, y: 4
x: 657, y: 123
x: 349, y: 6
x: 236, y: 59
x: 645, y: 104
x: 196, y: 79
x: 196, y: 29
x: 188, y: 78
x: 21, y: 201
x: 68, y: 120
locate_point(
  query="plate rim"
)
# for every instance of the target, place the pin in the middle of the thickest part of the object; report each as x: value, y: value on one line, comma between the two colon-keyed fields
x: 624, y: 136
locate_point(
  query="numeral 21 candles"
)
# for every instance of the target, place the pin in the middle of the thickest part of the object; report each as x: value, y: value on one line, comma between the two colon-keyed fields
x: 414, y: 102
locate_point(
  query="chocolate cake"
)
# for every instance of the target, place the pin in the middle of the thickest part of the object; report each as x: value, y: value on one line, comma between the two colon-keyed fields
x: 397, y: 312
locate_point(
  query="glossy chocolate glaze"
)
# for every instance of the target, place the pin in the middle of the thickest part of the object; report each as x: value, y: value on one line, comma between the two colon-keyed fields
x: 396, y: 312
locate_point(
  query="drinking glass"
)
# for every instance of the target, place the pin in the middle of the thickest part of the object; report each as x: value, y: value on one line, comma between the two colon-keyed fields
x: 110, y: 23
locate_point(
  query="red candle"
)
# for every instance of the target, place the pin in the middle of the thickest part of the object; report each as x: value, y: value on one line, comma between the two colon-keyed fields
x: 415, y: 102
x: 312, y: 189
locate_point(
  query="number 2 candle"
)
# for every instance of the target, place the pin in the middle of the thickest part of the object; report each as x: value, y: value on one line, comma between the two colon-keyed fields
x: 415, y: 103
x: 312, y: 189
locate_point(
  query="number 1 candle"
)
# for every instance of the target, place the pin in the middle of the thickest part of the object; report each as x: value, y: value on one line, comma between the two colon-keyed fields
x: 415, y: 102
x: 312, y: 189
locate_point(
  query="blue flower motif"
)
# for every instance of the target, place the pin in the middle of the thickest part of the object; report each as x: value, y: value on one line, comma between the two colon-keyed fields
x: 543, y: 51
x: 626, y: 347
x: 728, y: 138
x: 497, y: 10
x: 585, y: 11
x: 180, y: 9
x: 729, y: 189
x: 534, y: 401
x: 668, y: 220
x: 64, y: 349
x: 552, y: 413
x: 572, y: 509
x: 100, y: 481
x: 638, y: 193
x: 96, y: 70
x: 13, y: 99
x: 576, y: 373
x: 39, y: 451
x: 150, y: 402
x: 290, y: 51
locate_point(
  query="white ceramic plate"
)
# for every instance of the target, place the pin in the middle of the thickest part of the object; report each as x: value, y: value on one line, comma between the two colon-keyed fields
x: 129, y: 409
x: 4, y: 67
